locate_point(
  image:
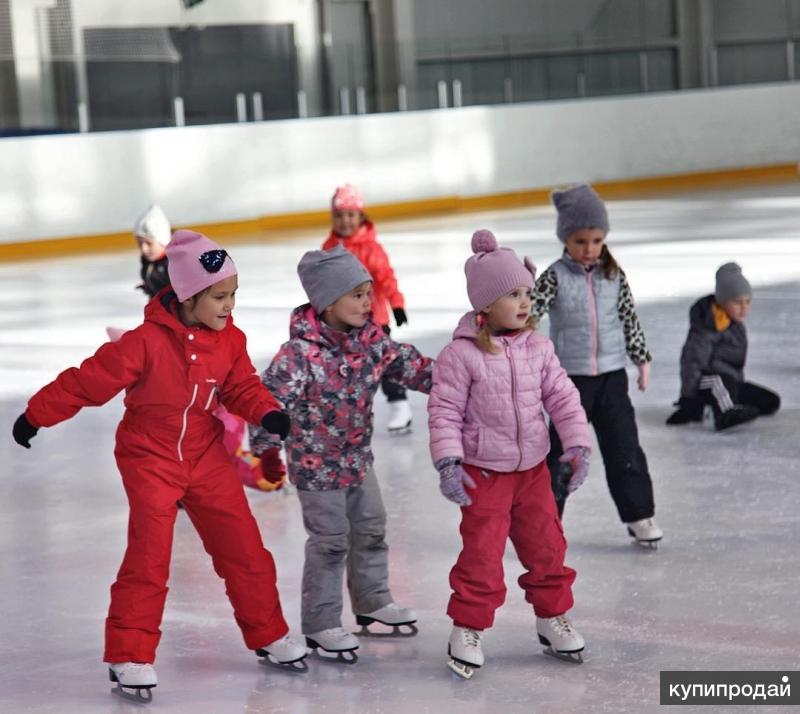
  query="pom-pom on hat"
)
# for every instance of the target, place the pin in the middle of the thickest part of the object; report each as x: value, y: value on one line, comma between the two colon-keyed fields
x: 196, y: 263
x: 327, y: 275
x: 731, y: 284
x: 494, y: 271
x: 153, y: 224
x: 579, y: 207
x: 347, y: 198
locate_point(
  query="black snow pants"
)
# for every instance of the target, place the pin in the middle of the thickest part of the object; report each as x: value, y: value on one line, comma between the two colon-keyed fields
x: 609, y: 410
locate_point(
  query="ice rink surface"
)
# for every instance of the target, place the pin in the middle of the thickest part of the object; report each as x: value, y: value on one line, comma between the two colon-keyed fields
x: 720, y: 594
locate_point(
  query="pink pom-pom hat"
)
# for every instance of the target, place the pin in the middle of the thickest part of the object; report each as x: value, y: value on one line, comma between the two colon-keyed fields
x: 494, y: 271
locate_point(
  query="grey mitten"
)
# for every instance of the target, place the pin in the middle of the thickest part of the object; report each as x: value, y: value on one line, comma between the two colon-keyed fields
x: 578, y: 458
x: 453, y: 479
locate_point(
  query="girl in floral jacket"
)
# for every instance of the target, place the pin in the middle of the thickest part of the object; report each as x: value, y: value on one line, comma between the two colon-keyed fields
x: 326, y: 377
x: 489, y: 443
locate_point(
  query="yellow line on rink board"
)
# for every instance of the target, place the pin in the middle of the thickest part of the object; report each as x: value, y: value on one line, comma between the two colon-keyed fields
x: 275, y: 228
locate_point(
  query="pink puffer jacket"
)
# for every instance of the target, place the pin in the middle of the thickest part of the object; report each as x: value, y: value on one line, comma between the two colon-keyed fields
x: 487, y: 409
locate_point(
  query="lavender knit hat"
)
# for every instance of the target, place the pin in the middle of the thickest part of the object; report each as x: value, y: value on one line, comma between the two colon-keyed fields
x: 579, y: 207
x: 494, y: 271
x: 196, y: 263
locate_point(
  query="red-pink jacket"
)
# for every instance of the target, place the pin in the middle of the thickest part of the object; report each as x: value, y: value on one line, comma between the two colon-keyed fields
x: 488, y: 409
x: 364, y: 245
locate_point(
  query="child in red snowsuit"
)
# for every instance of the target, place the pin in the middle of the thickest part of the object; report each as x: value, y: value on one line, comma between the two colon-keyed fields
x: 185, y: 359
x: 355, y: 232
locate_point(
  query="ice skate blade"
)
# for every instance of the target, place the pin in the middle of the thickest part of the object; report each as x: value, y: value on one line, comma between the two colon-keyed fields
x: 571, y: 657
x: 463, y: 670
x: 341, y: 656
x: 298, y: 665
x: 400, y: 431
x: 396, y: 631
x: 650, y: 544
x: 137, y: 695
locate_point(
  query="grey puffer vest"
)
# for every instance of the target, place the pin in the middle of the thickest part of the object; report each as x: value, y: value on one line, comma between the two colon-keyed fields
x: 584, y: 320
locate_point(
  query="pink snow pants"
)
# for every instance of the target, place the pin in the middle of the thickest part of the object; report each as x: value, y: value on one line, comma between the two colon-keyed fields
x: 214, y: 500
x: 517, y: 505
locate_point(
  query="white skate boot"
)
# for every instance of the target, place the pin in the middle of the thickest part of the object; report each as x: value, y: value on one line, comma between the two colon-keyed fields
x: 334, y: 641
x: 134, y: 680
x: 286, y: 653
x: 465, y: 651
x: 399, y: 417
x: 561, y: 639
x: 646, y: 532
x: 395, y: 617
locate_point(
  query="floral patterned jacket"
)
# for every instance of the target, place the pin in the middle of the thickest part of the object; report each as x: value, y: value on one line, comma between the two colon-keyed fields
x: 326, y: 380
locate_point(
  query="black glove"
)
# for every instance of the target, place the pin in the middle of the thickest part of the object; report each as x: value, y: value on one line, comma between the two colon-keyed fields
x: 23, y: 431
x: 689, y: 409
x: 277, y: 423
x: 400, y: 316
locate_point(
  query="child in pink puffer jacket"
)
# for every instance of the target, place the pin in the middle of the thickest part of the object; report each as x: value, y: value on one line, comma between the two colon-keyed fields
x: 489, y: 442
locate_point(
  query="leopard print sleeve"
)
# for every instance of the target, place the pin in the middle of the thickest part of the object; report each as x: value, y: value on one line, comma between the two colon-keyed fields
x: 635, y: 342
x: 544, y: 293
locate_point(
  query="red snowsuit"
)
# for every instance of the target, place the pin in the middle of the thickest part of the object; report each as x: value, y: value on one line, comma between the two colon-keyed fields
x: 169, y: 448
x: 363, y: 244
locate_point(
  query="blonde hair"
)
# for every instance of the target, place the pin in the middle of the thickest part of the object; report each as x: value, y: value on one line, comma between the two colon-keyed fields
x: 484, y: 337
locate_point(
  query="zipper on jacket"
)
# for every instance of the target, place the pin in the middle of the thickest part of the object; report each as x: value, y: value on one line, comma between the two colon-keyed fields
x: 183, y: 426
x: 211, y: 397
x: 593, y: 309
x: 514, y: 400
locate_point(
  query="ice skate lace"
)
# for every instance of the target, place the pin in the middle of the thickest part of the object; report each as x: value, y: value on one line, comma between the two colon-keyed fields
x: 337, y: 632
x: 562, y: 624
x: 471, y: 637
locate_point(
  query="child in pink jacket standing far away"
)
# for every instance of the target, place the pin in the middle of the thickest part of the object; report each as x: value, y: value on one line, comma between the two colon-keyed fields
x: 489, y: 442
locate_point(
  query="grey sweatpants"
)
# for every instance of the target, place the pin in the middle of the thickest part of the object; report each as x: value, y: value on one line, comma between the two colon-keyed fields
x: 346, y: 525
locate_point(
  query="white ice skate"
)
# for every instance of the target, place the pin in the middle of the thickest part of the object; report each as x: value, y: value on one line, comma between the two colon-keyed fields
x: 465, y: 651
x: 334, y: 641
x: 561, y: 639
x: 399, y: 417
x: 286, y: 653
x: 134, y: 680
x: 646, y: 532
x: 400, y: 619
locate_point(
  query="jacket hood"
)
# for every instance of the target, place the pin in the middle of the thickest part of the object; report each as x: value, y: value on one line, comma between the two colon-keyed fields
x: 700, y: 314
x: 162, y: 310
x: 364, y: 233
x: 304, y: 324
x: 467, y: 328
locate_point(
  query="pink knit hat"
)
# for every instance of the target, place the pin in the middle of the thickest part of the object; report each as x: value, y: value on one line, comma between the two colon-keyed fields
x: 196, y: 263
x: 347, y: 198
x: 494, y: 271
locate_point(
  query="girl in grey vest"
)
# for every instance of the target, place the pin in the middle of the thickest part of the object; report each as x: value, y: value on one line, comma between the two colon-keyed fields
x: 594, y: 327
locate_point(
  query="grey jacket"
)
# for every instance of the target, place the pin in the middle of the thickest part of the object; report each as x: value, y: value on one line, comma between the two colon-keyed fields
x: 710, y: 351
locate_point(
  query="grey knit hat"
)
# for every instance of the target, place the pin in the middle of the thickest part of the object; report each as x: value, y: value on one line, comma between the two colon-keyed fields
x: 579, y: 207
x: 326, y: 275
x: 731, y: 284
